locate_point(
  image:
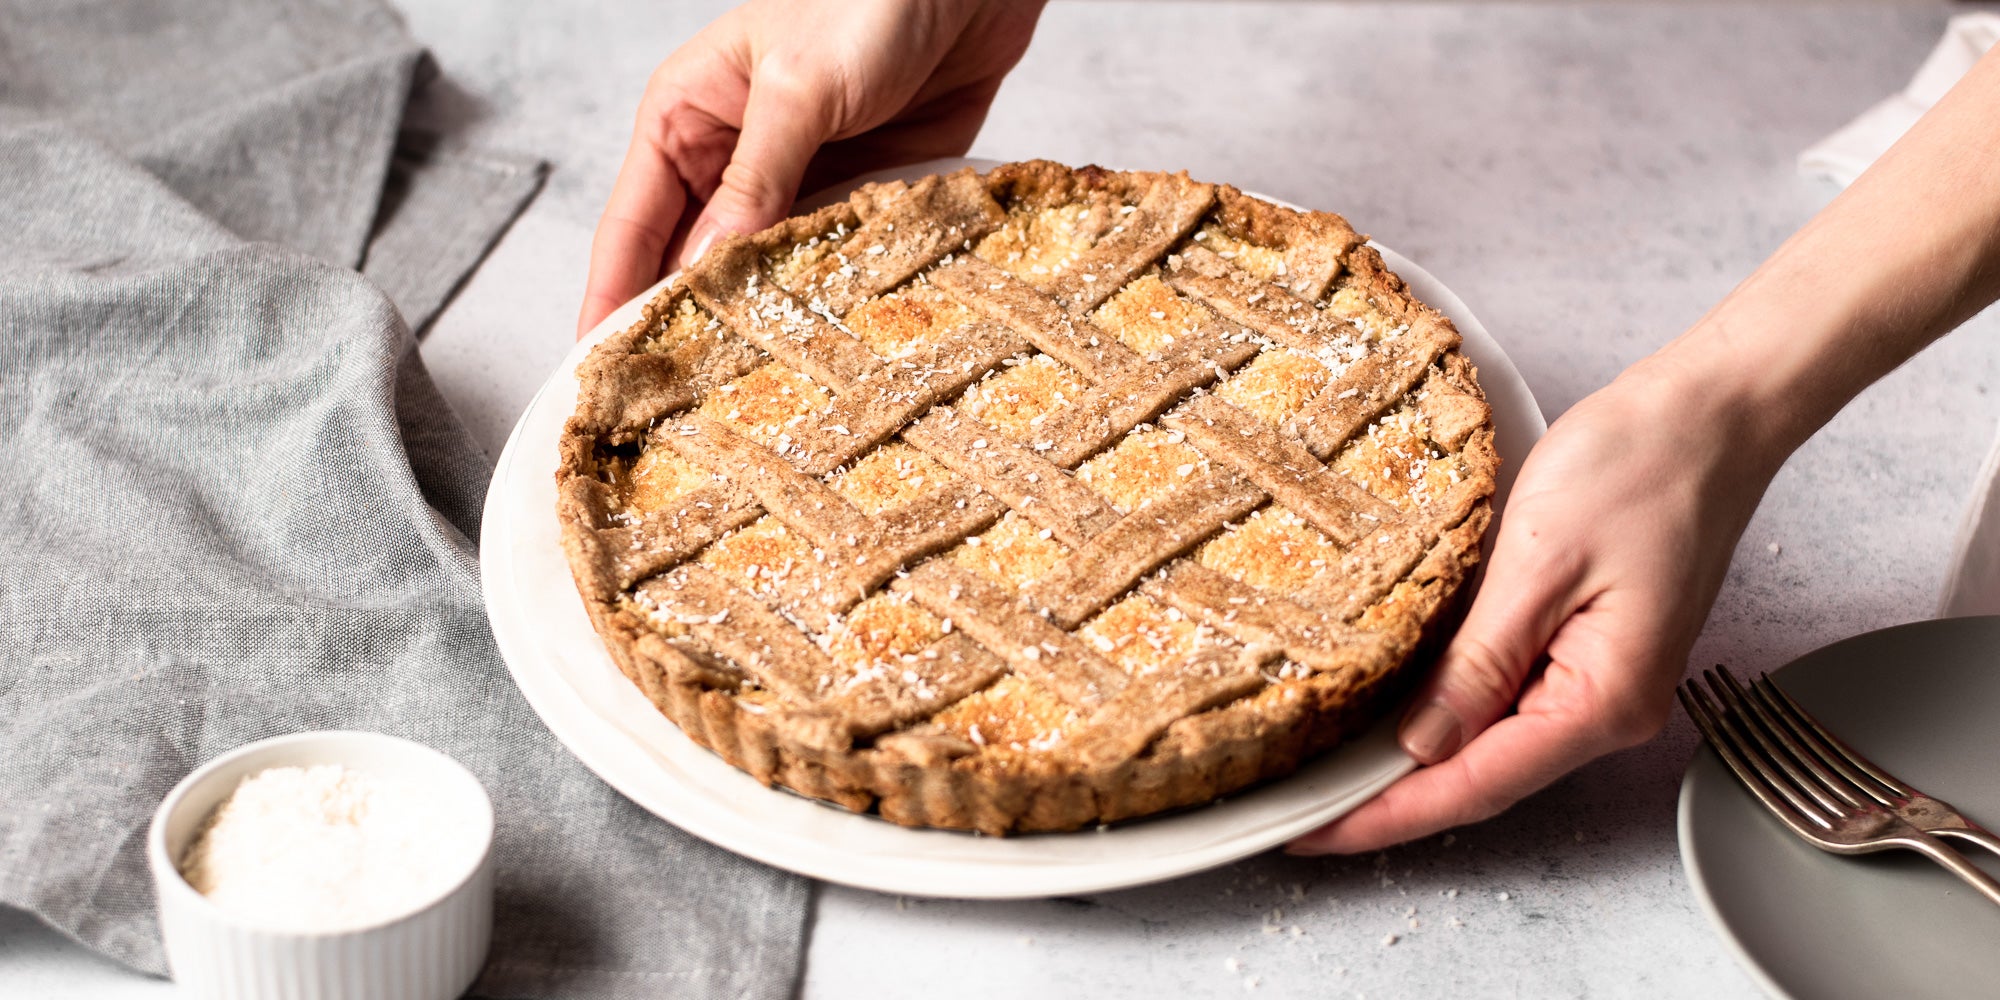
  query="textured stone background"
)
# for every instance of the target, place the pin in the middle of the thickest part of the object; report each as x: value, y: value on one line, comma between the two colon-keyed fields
x: 1588, y: 178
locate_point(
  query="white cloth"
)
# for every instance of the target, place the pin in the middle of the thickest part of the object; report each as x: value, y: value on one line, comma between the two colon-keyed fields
x: 1843, y: 155
x: 233, y: 503
x: 1972, y: 585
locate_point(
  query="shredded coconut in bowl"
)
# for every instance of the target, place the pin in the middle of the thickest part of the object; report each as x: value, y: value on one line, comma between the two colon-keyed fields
x: 327, y: 848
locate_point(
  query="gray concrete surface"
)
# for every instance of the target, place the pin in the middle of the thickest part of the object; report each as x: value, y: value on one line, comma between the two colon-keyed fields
x: 1588, y: 178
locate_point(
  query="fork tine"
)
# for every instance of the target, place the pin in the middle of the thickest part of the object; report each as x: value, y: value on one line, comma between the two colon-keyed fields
x: 1738, y: 714
x: 1801, y: 818
x: 1850, y: 833
x: 1858, y: 768
x: 1854, y: 795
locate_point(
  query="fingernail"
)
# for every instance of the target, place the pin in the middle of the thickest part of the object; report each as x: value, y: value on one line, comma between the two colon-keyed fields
x: 700, y: 239
x: 1431, y: 733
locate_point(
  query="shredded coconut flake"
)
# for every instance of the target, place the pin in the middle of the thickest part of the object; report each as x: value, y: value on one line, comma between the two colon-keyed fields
x: 325, y: 848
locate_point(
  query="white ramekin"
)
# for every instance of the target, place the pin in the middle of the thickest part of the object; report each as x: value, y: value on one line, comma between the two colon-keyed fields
x: 430, y: 953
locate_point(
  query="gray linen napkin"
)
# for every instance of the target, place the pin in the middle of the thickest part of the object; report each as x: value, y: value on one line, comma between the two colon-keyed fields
x: 232, y: 504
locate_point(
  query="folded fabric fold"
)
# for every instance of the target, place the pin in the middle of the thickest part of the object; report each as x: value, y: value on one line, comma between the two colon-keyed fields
x: 1972, y: 581
x: 1843, y: 155
x: 235, y: 505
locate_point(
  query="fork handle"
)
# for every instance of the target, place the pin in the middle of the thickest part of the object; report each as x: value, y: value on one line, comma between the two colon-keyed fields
x: 1976, y: 836
x: 1955, y: 863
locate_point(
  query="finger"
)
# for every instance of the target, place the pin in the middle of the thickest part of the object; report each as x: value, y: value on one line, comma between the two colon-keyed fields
x: 784, y: 121
x: 1528, y: 592
x: 1513, y: 759
x: 628, y: 250
x: 944, y: 126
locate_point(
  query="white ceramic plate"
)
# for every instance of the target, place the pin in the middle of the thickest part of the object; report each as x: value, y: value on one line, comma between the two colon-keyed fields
x: 566, y: 674
x: 1920, y: 701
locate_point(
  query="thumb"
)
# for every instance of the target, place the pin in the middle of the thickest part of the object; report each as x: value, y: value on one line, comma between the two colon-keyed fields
x: 784, y: 122
x: 1523, y: 600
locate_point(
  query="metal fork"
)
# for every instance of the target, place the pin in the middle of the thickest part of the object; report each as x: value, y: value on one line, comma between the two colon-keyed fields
x: 1925, y: 812
x: 1816, y: 785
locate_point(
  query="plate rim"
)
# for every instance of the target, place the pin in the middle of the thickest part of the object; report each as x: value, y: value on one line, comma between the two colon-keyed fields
x: 565, y: 711
x: 1698, y: 886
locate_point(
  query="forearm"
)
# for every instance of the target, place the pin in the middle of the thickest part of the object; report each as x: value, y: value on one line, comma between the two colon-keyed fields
x: 1908, y: 252
x: 1621, y: 525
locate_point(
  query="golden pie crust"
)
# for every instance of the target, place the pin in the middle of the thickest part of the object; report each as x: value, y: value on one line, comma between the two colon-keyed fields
x: 1028, y: 500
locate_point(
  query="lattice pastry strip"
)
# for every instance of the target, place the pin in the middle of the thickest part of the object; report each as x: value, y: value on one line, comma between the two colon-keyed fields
x: 750, y: 594
x: 1283, y: 467
x: 1030, y: 644
x: 899, y: 236
x: 1074, y: 341
x: 1114, y: 560
x: 1368, y: 381
x: 1075, y: 515
x: 1041, y: 490
x: 1169, y: 210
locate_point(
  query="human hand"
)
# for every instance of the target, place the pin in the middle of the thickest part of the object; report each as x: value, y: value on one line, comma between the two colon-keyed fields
x: 780, y: 94
x: 1614, y: 542
x: 1622, y: 521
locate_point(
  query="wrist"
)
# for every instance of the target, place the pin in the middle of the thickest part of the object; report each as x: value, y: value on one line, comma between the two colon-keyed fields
x: 1778, y: 357
x: 1724, y: 393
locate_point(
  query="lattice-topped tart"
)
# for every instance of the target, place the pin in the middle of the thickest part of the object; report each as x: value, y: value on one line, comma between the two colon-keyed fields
x: 1027, y: 500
